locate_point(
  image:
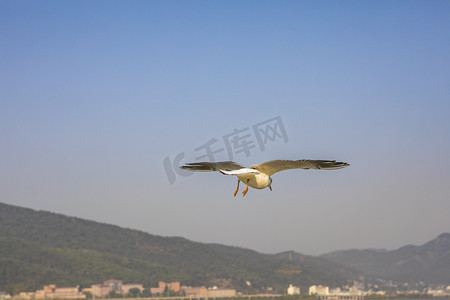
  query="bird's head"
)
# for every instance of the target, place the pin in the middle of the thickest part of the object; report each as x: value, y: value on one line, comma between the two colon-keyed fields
x: 270, y: 183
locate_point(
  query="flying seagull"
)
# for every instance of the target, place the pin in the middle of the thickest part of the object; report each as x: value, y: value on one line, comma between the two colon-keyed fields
x: 258, y: 176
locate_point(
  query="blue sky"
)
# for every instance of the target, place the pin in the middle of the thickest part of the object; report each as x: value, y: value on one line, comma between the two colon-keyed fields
x: 95, y: 95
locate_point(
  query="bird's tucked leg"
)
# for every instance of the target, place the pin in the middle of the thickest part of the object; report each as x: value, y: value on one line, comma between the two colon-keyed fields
x: 246, y: 189
x: 237, y: 189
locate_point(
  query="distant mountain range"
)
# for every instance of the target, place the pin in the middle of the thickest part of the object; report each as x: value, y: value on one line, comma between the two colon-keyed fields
x: 38, y: 248
x: 429, y: 263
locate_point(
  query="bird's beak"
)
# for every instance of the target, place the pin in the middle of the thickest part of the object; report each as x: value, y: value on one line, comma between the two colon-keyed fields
x: 270, y: 187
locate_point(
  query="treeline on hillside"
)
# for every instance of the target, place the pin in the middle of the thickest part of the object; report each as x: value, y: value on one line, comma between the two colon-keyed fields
x: 38, y: 248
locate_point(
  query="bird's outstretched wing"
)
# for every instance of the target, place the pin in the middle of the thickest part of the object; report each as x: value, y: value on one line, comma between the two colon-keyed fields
x: 274, y: 166
x: 212, y: 166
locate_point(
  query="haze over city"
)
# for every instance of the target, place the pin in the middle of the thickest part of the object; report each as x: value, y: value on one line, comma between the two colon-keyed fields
x: 98, y: 99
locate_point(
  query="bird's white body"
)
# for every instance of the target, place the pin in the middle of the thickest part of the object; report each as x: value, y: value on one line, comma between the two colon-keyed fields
x: 253, y: 177
x: 257, y: 181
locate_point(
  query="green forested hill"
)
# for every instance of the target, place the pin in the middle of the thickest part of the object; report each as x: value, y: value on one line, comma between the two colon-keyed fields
x: 38, y: 248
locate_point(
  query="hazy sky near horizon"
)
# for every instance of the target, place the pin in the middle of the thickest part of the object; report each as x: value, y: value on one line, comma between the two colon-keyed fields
x: 96, y: 95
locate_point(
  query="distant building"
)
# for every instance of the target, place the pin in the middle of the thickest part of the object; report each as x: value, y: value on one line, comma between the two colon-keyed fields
x: 221, y: 293
x: 335, y: 291
x: 125, y: 288
x: 156, y: 291
x: 53, y: 292
x: 114, y: 284
x: 203, y: 292
x: 101, y: 290
x: 172, y: 286
x: 25, y: 296
x: 293, y: 290
x: 319, y: 290
x: 200, y: 292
